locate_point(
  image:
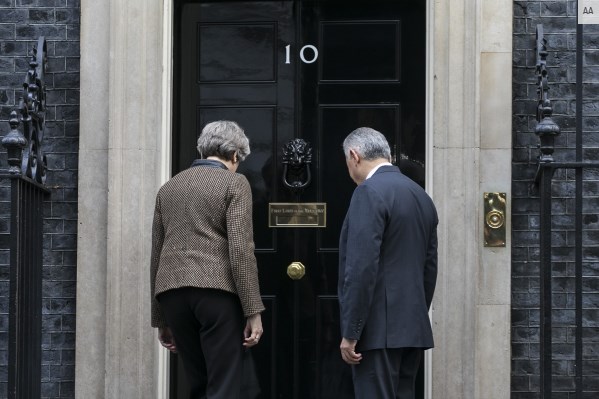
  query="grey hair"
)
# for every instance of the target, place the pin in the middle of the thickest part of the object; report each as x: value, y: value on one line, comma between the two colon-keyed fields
x: 368, y: 143
x: 222, y: 139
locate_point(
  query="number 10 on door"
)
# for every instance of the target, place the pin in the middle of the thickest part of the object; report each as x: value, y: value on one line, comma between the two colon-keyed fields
x: 302, y: 54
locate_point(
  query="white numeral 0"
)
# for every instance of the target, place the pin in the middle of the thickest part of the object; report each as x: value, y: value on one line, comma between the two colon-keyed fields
x: 302, y: 57
x: 313, y: 49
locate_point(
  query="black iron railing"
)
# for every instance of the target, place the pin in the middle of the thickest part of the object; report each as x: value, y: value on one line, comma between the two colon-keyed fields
x: 27, y: 174
x: 548, y: 130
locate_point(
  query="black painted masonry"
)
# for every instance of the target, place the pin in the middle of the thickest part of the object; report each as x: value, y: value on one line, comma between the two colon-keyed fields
x: 21, y: 22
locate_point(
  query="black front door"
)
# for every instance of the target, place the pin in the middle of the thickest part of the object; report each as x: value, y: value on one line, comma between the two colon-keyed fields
x: 313, y: 70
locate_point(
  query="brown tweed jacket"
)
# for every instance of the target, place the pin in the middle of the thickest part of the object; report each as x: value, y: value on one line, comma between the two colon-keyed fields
x: 202, y: 237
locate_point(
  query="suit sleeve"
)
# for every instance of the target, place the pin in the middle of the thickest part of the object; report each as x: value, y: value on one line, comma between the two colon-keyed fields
x: 241, y: 247
x: 430, y: 267
x: 365, y: 229
x: 157, y: 241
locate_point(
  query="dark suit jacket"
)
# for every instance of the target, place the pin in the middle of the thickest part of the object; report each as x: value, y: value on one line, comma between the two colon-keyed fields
x: 202, y: 236
x: 388, y: 263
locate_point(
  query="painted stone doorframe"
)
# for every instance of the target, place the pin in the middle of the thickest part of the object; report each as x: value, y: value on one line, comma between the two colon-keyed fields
x: 126, y: 59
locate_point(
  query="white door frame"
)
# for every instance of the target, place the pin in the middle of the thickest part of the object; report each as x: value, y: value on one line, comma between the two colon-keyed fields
x: 125, y: 155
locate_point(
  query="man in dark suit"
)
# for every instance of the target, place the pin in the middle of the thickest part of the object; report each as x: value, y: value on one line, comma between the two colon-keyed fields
x: 387, y: 271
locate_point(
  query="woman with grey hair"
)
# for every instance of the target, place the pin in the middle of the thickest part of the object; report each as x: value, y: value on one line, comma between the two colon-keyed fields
x: 223, y: 139
x: 204, y: 278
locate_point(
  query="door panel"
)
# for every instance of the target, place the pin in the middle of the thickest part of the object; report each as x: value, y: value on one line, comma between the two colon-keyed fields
x: 250, y: 56
x: 243, y: 61
x: 358, y: 80
x: 343, y: 43
x: 229, y: 67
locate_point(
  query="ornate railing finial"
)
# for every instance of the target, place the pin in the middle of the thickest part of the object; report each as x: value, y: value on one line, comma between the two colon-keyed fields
x: 32, y: 109
x: 546, y: 127
x: 14, y: 142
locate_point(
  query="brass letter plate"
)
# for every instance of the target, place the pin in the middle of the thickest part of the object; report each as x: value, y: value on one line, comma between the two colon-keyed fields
x: 299, y: 214
x: 494, y: 228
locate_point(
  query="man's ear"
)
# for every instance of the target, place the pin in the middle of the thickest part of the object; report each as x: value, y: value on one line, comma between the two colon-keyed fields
x: 235, y: 159
x: 353, y: 155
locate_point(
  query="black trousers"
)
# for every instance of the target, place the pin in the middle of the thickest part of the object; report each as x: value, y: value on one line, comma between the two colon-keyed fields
x: 207, y: 325
x: 387, y: 373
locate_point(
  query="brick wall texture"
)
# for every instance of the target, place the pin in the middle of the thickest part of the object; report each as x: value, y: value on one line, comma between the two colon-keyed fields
x: 21, y: 23
x: 559, y: 22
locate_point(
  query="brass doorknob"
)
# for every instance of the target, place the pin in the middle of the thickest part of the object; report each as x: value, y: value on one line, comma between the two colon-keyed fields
x: 296, y: 270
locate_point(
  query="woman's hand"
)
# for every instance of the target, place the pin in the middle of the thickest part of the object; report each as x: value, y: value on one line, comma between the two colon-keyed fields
x: 165, y: 336
x: 253, y: 330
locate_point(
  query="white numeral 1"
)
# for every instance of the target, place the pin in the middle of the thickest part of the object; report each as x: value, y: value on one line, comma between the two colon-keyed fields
x: 287, y: 51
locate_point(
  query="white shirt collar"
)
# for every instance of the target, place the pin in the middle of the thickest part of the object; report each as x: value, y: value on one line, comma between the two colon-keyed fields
x: 377, y: 168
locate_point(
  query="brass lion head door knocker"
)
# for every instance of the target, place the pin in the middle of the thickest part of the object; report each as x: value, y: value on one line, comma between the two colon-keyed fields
x: 297, y: 157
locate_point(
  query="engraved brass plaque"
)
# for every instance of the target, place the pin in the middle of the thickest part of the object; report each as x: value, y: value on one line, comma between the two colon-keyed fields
x: 298, y: 214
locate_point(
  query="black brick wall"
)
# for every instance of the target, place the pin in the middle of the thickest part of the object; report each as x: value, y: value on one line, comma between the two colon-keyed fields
x: 21, y: 22
x: 559, y: 22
